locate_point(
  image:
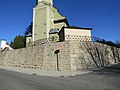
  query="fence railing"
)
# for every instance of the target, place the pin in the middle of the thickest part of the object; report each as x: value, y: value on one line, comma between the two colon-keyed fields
x: 43, y: 41
x: 82, y: 38
x: 66, y: 38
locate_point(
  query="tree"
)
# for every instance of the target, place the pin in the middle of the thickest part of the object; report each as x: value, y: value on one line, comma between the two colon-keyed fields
x: 118, y: 44
x: 110, y: 43
x: 29, y: 29
x: 18, y: 42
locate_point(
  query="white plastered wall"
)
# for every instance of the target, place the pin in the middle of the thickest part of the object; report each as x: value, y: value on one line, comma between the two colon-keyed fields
x: 77, y: 32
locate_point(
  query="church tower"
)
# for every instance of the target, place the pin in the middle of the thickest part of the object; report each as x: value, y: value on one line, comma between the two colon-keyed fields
x: 47, y: 21
x: 43, y: 17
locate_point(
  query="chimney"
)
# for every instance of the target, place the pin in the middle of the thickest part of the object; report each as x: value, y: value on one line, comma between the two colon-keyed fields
x: 3, y: 43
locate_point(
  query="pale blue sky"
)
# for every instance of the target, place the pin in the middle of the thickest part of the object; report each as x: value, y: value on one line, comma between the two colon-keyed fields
x: 101, y: 15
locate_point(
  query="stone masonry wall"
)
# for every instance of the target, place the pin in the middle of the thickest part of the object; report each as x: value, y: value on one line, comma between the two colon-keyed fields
x: 73, y: 55
x: 83, y: 55
x: 38, y: 57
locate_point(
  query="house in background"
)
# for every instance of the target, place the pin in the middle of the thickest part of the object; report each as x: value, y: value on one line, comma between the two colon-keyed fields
x: 49, y: 23
x: 4, y: 46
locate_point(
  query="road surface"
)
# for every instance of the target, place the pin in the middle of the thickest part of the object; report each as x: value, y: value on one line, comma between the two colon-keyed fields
x: 105, y: 79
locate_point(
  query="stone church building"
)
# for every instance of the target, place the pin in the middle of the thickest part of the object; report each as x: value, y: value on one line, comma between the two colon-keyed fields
x: 49, y: 23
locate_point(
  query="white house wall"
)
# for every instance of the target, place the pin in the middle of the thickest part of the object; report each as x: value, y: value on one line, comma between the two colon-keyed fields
x: 78, y: 32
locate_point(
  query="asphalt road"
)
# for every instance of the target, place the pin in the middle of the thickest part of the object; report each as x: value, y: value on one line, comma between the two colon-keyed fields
x: 105, y: 79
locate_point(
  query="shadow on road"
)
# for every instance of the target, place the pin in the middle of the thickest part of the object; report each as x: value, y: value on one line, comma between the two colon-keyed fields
x: 113, y: 70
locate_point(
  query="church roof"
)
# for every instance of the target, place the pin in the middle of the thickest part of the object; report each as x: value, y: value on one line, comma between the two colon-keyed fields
x: 57, y: 15
x: 53, y: 31
x: 29, y: 35
x: 62, y: 20
x: 75, y: 27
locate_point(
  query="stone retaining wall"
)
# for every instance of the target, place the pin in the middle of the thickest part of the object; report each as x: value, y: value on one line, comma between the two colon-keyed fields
x: 83, y: 55
x: 38, y: 57
x: 73, y: 56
